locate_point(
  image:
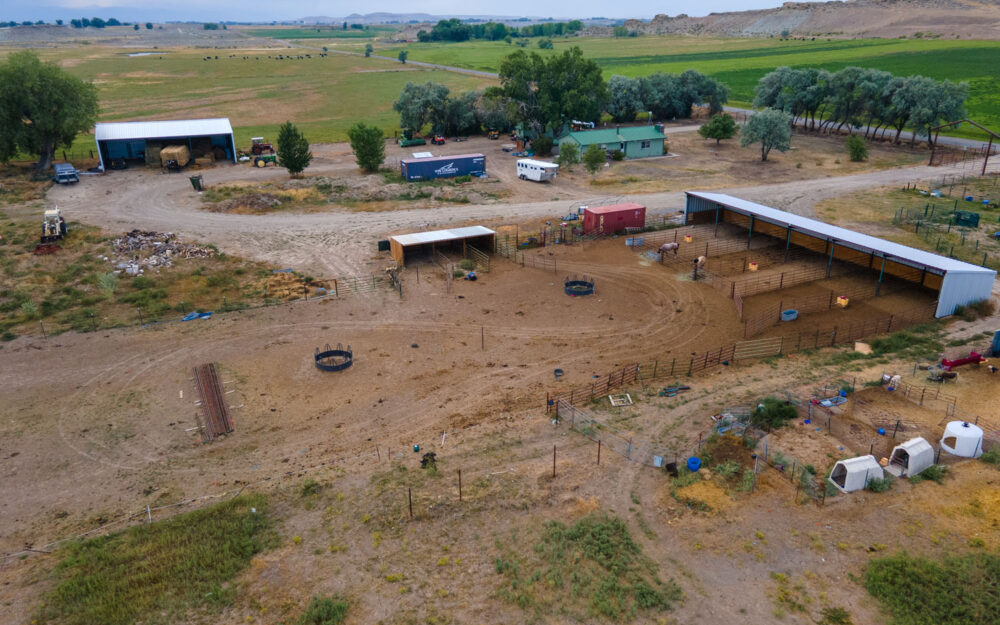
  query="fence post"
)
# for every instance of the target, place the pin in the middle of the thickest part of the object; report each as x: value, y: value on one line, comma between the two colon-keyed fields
x: 690, y: 366
x: 654, y: 369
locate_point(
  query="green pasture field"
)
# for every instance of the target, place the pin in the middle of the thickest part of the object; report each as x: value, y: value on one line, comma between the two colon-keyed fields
x: 740, y: 63
x: 321, y: 32
x: 323, y: 96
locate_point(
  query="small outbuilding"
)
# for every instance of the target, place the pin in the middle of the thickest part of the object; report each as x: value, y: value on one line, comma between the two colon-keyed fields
x: 140, y: 143
x: 910, y: 458
x: 855, y: 473
x: 963, y: 439
x: 404, y: 247
x: 613, y: 219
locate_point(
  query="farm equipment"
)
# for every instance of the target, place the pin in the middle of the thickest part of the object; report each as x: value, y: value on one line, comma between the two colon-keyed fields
x: 974, y: 358
x: 437, y: 140
x: 262, y: 153
x: 409, y: 140
x: 257, y: 146
x: 494, y: 135
x: 53, y: 229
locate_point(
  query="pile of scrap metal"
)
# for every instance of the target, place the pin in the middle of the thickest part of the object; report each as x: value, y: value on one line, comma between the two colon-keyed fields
x: 136, y: 249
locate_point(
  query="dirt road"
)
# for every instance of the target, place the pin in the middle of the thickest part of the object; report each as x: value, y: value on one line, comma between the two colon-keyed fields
x: 342, y: 242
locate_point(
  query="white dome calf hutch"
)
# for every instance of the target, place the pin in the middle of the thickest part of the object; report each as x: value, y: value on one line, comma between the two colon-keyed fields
x: 855, y: 473
x: 963, y: 439
x: 910, y: 458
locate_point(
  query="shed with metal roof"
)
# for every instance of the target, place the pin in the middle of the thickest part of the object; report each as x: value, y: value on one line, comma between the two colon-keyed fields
x: 633, y: 141
x: 956, y: 282
x: 455, y: 240
x: 140, y: 142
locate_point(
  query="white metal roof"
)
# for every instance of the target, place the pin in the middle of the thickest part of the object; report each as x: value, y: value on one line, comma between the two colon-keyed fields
x: 438, y: 236
x: 531, y: 161
x: 896, y: 251
x: 112, y: 131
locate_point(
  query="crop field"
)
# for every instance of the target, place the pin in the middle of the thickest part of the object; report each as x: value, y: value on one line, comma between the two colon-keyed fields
x: 321, y: 32
x: 323, y: 96
x: 739, y: 63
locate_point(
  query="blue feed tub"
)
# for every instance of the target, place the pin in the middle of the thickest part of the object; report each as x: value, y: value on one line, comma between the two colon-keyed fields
x: 789, y: 315
x: 694, y: 464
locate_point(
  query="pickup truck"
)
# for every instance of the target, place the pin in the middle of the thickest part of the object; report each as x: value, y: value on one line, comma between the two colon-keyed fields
x: 65, y: 173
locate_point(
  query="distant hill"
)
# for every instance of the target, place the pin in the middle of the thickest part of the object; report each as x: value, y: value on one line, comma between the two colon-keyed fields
x: 965, y: 19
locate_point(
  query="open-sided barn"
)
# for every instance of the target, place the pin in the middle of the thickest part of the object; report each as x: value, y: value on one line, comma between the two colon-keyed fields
x: 141, y: 142
x: 406, y: 246
x: 956, y: 283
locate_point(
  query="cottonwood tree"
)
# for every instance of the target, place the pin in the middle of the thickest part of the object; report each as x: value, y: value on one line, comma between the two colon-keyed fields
x: 771, y: 128
x: 369, y: 48
x: 721, y: 126
x: 293, y: 149
x: 458, y: 115
x: 402, y: 56
x: 418, y: 105
x: 624, y: 98
x: 368, y: 145
x: 41, y: 108
x: 549, y: 92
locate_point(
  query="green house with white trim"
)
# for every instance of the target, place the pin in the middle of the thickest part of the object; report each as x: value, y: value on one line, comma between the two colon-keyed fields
x: 633, y: 141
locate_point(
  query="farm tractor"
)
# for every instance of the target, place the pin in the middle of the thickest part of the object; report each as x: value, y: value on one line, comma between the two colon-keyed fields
x: 262, y: 153
x: 409, y: 140
x: 53, y: 229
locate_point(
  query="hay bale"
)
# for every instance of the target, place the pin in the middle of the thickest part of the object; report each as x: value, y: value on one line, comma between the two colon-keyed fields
x: 204, y: 161
x: 179, y: 153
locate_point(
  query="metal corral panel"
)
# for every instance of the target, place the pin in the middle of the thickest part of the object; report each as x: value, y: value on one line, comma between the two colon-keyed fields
x: 963, y: 288
x: 117, y: 131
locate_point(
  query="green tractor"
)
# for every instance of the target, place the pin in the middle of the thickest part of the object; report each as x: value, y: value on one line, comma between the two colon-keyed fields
x: 262, y: 153
x: 409, y: 140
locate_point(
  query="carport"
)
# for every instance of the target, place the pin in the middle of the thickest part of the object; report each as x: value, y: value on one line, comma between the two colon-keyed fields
x: 139, y: 143
x: 407, y: 246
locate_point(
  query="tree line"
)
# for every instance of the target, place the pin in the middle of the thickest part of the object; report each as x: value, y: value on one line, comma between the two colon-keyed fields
x: 857, y: 97
x: 547, y: 93
x: 666, y: 96
x: 456, y: 30
x: 94, y: 22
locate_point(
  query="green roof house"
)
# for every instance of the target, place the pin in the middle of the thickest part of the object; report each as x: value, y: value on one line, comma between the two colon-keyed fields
x: 633, y: 141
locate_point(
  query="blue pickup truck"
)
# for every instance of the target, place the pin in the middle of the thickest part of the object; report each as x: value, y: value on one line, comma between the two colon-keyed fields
x: 66, y: 173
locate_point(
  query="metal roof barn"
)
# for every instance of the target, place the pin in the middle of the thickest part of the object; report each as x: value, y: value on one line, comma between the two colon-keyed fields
x: 404, y: 245
x: 958, y: 283
x: 138, y: 140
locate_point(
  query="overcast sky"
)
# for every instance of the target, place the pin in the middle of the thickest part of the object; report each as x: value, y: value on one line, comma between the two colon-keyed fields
x: 267, y: 10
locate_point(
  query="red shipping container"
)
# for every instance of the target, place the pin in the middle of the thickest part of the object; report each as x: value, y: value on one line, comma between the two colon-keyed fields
x: 613, y: 219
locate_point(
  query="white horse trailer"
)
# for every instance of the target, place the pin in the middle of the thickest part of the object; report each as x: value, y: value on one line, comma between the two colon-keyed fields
x: 539, y: 171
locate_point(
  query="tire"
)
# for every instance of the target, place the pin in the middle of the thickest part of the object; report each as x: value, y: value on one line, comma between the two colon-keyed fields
x: 260, y: 162
x: 522, y: 177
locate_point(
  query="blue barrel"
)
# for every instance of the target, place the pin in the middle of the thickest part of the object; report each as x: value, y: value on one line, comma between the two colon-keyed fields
x: 789, y: 315
x: 694, y: 464
x: 881, y: 431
